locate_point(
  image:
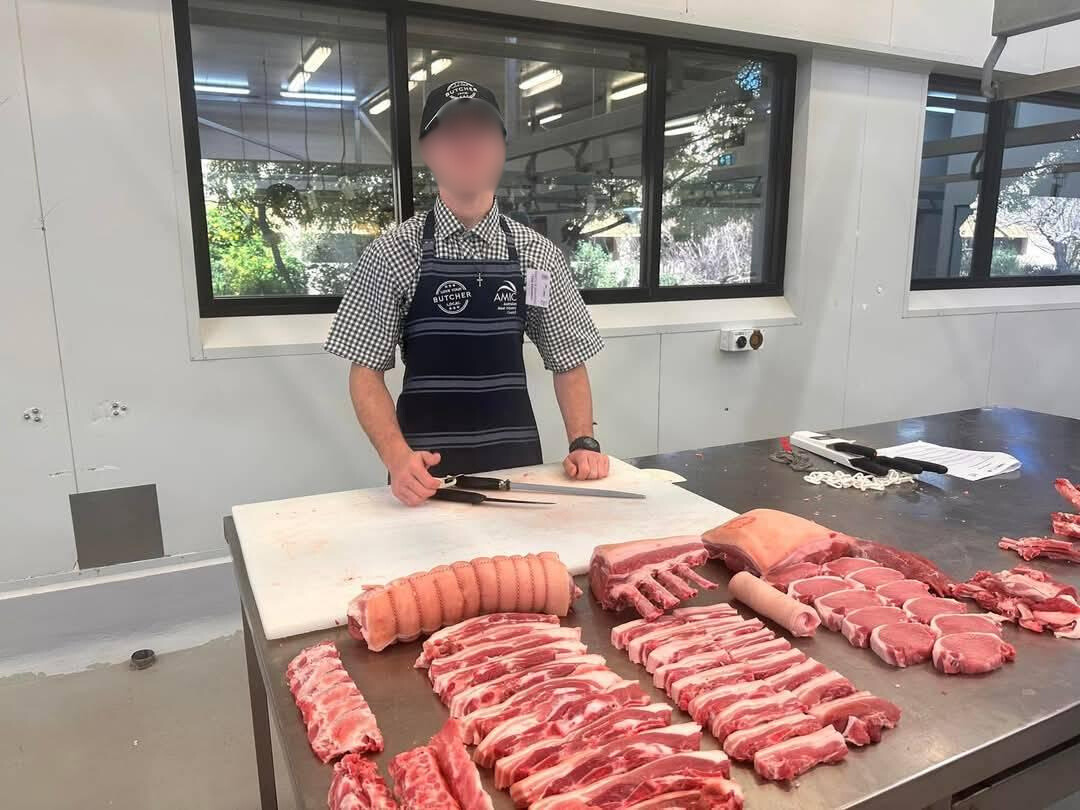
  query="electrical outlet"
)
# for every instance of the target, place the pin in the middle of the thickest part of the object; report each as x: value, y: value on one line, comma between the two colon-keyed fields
x: 741, y: 340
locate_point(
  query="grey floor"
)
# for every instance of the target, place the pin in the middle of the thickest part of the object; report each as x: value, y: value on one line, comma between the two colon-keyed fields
x: 175, y: 736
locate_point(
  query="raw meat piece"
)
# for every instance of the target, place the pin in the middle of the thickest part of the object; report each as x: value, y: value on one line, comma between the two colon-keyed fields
x: 830, y: 686
x: 480, y: 629
x: 796, y: 675
x: 616, y: 756
x: 705, y: 705
x: 858, y: 624
x: 498, y: 690
x: 483, y: 650
x: 751, y: 712
x: 714, y: 794
x: 549, y: 751
x: 742, y: 745
x: 898, y: 592
x: 781, y: 578
x: 623, y: 634
x: 832, y: 607
x: 790, y: 758
x: 639, y: 648
x: 712, y: 611
x: 450, y: 683
x: 742, y: 638
x: 459, y: 770
x: 426, y: 601
x: 669, y: 673
x: 924, y: 608
x: 686, y: 689
x: 903, y: 644
x: 555, y: 719
x: 908, y: 563
x: 873, y: 577
x: 418, y: 782
x: 971, y: 653
x: 647, y: 575
x: 1065, y: 524
x: 1031, y: 547
x: 1068, y: 491
x: 945, y: 623
x: 337, y: 717
x: 792, y: 615
x: 842, y: 566
x: 672, y: 652
x: 357, y: 785
x: 752, y: 651
x: 684, y: 771
x: 762, y: 540
x: 807, y: 590
x: 543, y: 696
x: 860, y: 717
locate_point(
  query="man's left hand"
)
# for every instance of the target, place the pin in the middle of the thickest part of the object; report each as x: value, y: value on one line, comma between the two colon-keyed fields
x: 586, y: 465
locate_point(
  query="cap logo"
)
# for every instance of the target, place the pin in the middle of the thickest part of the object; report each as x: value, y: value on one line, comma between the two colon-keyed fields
x: 461, y: 89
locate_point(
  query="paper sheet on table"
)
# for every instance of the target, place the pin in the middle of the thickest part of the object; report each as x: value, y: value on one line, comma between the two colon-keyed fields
x: 971, y: 465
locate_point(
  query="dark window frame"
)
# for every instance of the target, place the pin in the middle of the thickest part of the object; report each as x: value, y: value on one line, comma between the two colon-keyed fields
x: 774, y: 209
x: 999, y: 118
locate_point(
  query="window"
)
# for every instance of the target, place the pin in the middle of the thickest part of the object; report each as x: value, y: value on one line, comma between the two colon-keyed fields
x: 658, y: 166
x: 1023, y: 157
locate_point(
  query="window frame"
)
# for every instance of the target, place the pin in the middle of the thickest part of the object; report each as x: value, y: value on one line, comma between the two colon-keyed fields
x: 774, y: 205
x: 998, y: 121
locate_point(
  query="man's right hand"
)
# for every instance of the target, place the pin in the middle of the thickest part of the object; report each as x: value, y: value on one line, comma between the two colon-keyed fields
x: 410, y: 480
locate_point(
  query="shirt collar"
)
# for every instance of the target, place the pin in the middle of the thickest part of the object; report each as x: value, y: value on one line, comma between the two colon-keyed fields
x: 448, y: 225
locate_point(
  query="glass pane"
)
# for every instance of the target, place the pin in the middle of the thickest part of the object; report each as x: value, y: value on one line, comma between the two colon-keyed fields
x: 716, y: 163
x: 948, y: 184
x: 1038, y: 219
x: 573, y: 112
x: 296, y: 175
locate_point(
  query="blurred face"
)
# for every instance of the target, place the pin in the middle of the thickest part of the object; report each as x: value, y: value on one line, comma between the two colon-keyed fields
x: 465, y: 150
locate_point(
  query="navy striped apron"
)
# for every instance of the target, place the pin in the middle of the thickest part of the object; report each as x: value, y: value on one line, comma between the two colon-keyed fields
x: 464, y: 394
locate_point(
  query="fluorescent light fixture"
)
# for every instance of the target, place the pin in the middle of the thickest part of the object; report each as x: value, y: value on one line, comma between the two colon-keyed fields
x: 540, y: 78
x: 297, y: 81
x: 628, y: 91
x: 946, y: 110
x: 670, y: 133
x: 440, y: 64
x: 316, y: 58
x: 686, y: 120
x: 550, y: 119
x: 309, y: 96
x: 553, y: 80
x: 224, y: 89
x: 380, y: 106
x: 419, y: 75
x: 941, y: 94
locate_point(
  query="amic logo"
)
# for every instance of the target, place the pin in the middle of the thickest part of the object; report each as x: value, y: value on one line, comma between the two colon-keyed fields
x: 461, y: 89
x: 451, y: 297
x: 506, y: 297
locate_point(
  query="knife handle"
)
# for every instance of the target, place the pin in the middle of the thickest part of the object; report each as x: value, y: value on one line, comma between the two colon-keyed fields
x: 868, y: 465
x: 459, y: 495
x: 856, y: 449
x: 902, y: 464
x: 928, y: 466
x: 480, y: 482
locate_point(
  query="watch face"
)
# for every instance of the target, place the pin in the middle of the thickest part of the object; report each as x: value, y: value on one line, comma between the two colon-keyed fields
x: 586, y: 443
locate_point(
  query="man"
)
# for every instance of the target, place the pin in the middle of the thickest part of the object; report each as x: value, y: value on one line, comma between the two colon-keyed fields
x: 459, y: 287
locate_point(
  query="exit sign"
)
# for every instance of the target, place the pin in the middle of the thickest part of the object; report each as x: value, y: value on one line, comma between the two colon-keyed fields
x: 726, y: 159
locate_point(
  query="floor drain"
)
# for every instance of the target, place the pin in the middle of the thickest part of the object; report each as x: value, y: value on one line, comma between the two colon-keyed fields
x: 141, y: 659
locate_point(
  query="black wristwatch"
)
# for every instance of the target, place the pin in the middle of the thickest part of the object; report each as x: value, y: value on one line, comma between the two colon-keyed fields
x: 585, y: 443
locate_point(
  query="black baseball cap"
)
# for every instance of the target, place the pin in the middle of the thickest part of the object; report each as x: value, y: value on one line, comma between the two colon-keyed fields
x: 455, y: 94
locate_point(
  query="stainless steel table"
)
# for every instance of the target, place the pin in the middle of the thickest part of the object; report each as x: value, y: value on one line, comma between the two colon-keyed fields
x: 1007, y: 739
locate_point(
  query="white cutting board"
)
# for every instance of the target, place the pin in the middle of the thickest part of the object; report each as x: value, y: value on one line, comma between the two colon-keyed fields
x: 308, y: 557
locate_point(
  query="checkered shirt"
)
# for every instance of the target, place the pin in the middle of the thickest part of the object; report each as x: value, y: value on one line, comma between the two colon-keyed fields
x: 368, y: 324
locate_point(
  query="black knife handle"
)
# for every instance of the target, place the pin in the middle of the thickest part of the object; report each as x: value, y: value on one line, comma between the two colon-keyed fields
x: 856, y: 449
x: 480, y: 482
x: 928, y: 466
x: 868, y: 465
x: 459, y: 495
x: 901, y: 464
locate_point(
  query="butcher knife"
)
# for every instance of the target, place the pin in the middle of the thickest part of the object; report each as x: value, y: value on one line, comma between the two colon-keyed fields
x: 506, y: 485
x: 464, y: 496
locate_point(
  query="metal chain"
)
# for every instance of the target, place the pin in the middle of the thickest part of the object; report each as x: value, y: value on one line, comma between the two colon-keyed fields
x: 859, y: 481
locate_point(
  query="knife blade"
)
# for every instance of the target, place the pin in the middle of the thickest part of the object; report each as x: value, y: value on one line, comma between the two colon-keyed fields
x: 506, y: 485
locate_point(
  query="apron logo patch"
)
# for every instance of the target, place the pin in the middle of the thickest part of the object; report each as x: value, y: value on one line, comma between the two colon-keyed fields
x: 506, y: 297
x: 461, y: 89
x: 451, y: 297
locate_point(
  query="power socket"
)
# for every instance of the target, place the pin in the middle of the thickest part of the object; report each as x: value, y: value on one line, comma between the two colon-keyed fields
x: 741, y: 340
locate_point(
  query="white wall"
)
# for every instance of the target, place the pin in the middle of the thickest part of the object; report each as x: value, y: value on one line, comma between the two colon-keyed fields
x: 105, y: 158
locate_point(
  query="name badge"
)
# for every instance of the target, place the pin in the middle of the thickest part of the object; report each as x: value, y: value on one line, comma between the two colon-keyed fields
x: 538, y: 288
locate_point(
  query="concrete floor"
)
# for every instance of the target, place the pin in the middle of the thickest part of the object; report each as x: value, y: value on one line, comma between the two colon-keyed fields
x: 176, y: 736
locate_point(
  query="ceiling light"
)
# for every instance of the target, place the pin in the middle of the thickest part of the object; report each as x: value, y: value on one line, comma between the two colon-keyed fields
x: 225, y: 89
x: 628, y: 91
x: 540, y: 78
x: 297, y: 81
x: 418, y: 75
x: 380, y: 106
x: 946, y: 110
x: 316, y: 58
x: 548, y: 84
x: 679, y: 131
x: 686, y: 120
x: 319, y: 96
x: 440, y: 64
x: 550, y: 119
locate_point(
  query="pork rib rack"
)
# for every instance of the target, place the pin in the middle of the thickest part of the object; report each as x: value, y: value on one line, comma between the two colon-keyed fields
x: 648, y: 575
